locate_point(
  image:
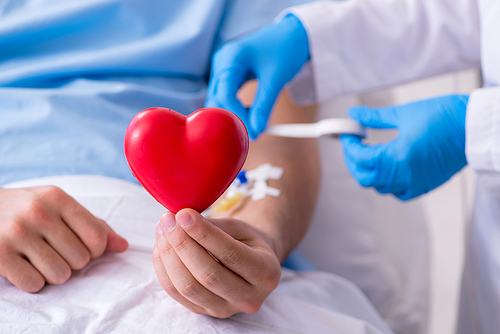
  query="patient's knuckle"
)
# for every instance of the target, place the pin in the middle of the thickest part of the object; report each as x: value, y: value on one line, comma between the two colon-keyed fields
x: 81, y: 260
x: 52, y: 193
x: 164, y: 248
x: 48, y: 196
x: 62, y: 275
x: 96, y: 239
x: 35, y: 212
x: 35, y: 285
x: 181, y: 245
x: 211, y: 279
x: 98, y: 233
x: 222, y: 313
x: 189, y: 289
x: 251, y: 306
x: 156, y: 254
x: 6, y: 253
x: 169, y: 288
x: 270, y: 284
x: 231, y: 257
x: 204, y: 237
x: 269, y: 277
x: 30, y: 283
x: 195, y: 310
x: 17, y: 231
x: 273, y: 278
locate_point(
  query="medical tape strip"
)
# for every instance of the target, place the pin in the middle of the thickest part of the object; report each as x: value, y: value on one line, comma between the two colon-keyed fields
x: 330, y: 126
x: 260, y: 175
x: 254, y: 186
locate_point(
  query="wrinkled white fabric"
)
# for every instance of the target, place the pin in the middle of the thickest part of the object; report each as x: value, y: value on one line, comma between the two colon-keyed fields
x: 360, y: 45
x: 119, y: 293
x: 483, y: 130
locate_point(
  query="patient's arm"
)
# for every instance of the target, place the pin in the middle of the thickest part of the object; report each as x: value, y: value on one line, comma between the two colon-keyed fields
x: 251, y: 241
x: 285, y: 218
x: 44, y: 233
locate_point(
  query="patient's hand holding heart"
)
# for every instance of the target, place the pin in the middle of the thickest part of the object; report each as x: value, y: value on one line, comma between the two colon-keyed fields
x: 217, y: 267
x: 186, y: 162
x: 237, y: 275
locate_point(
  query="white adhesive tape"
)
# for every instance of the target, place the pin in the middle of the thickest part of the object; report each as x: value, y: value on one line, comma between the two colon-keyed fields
x: 330, y: 126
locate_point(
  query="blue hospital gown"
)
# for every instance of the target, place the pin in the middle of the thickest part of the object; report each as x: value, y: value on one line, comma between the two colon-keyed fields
x: 74, y: 73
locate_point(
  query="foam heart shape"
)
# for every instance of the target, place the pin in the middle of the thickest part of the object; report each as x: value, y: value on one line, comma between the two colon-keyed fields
x: 186, y: 162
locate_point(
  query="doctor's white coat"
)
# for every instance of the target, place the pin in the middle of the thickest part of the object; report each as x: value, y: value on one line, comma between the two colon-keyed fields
x: 358, y: 45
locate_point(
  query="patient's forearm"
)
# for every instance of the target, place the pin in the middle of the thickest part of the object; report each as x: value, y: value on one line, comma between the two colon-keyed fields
x: 221, y: 267
x: 284, y: 218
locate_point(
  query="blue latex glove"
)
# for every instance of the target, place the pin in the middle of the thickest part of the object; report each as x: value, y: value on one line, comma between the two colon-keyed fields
x: 273, y: 54
x: 430, y: 147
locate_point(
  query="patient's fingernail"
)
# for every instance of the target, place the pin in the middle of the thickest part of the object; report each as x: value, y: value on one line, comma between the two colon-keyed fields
x: 159, y: 229
x: 168, y: 221
x: 184, y: 219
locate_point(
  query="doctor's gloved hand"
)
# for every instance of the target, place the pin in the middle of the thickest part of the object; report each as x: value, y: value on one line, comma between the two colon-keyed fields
x: 273, y: 54
x: 429, y: 149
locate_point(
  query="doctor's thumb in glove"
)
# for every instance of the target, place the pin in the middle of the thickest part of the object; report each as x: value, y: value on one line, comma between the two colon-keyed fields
x: 428, y: 151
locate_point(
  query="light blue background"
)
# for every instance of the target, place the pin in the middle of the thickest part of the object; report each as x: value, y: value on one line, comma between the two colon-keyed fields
x: 73, y: 73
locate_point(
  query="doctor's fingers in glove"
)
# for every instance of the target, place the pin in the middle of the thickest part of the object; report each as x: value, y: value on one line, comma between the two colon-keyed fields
x: 44, y: 233
x: 245, y: 273
x: 429, y: 149
x: 273, y: 54
x: 375, y: 166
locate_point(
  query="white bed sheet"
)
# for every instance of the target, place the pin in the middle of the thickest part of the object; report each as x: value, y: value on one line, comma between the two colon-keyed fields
x: 119, y: 293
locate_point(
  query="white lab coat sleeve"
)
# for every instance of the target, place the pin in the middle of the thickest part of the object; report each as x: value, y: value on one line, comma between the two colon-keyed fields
x: 360, y: 45
x: 483, y: 130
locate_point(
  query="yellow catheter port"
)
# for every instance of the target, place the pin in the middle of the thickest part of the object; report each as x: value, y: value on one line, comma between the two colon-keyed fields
x: 227, y: 203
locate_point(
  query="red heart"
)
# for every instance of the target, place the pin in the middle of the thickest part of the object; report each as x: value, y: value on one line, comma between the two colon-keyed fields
x: 186, y: 162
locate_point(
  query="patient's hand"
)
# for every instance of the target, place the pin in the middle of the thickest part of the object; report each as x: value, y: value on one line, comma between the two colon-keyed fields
x: 247, y: 273
x: 44, y: 233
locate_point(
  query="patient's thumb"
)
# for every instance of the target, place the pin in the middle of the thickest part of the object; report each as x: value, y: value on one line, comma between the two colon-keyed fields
x: 116, y: 243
